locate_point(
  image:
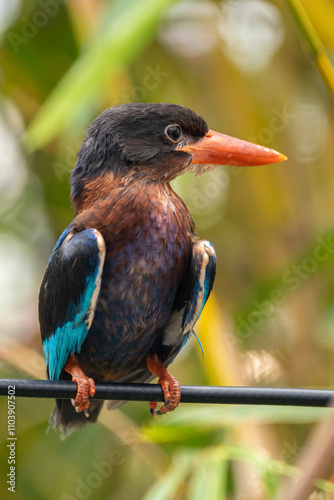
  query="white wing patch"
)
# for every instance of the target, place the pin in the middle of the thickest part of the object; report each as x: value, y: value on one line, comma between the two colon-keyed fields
x: 173, y: 330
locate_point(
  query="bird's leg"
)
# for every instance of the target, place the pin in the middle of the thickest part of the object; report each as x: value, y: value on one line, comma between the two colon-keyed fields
x: 169, y: 385
x: 86, y: 385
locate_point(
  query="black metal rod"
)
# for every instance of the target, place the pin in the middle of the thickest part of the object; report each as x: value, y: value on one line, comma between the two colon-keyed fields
x: 189, y: 393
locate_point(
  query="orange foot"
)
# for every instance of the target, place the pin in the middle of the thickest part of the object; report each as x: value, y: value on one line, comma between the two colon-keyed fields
x: 86, y: 385
x: 169, y: 385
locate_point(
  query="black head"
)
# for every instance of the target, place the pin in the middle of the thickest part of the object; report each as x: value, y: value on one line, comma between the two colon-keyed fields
x: 140, y: 138
x: 157, y: 142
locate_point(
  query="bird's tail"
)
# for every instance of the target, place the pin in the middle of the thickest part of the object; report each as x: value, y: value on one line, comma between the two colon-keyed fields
x: 66, y: 419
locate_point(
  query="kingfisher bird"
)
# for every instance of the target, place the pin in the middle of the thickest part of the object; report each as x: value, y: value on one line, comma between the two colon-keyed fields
x: 128, y: 278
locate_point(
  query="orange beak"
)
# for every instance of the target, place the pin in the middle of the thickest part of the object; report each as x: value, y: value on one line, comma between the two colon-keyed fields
x: 224, y: 150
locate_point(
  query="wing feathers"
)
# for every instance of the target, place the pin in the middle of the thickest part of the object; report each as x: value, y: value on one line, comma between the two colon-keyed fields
x: 204, y: 270
x: 69, y: 295
x: 192, y: 296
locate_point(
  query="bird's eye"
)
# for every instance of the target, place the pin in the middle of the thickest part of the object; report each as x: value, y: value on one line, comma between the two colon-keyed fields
x: 173, y: 132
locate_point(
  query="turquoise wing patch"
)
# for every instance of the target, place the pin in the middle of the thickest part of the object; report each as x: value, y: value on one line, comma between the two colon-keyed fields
x: 69, y: 294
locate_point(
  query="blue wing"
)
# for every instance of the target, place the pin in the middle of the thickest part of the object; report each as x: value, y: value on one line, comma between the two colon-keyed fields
x: 192, y: 295
x: 69, y: 294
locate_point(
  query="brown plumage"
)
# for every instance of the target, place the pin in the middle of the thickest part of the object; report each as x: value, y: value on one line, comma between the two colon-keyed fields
x: 127, y: 280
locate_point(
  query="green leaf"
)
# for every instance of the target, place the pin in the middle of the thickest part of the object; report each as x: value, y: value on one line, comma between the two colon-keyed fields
x: 316, y: 48
x: 165, y: 487
x: 188, y: 422
x: 129, y: 27
x: 268, y: 466
x: 209, y: 479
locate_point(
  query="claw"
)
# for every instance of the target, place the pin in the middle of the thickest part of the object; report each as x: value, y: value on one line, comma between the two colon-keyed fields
x: 169, y: 385
x: 86, y: 386
x: 153, y: 406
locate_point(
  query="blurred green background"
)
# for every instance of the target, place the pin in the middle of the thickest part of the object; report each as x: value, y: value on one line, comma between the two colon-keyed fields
x: 254, y: 69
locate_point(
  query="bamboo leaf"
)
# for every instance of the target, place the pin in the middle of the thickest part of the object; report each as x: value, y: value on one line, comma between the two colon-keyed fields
x: 209, y: 479
x: 313, y: 42
x: 165, y: 487
x: 189, y: 422
x: 128, y: 29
